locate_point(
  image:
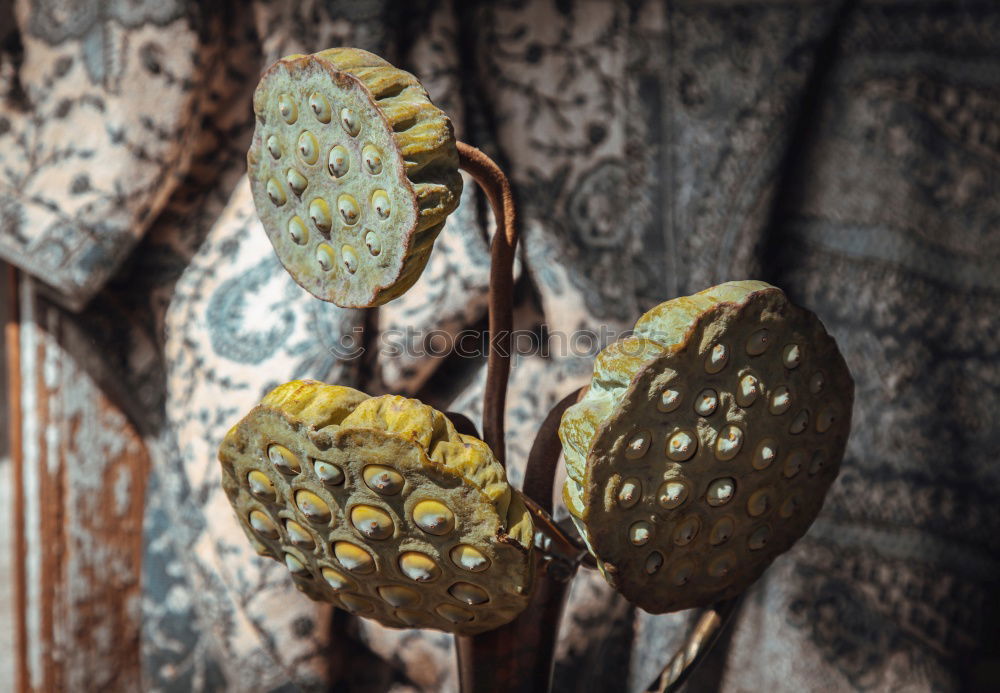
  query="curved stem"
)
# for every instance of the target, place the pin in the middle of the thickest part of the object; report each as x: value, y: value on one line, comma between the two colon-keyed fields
x: 494, y: 183
x: 533, y: 673
x: 697, y: 644
x: 540, y: 471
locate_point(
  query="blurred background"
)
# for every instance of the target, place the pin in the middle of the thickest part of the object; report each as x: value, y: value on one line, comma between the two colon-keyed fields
x: 847, y: 152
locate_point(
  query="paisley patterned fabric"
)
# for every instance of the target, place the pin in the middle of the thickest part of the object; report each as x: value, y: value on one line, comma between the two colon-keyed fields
x: 847, y: 152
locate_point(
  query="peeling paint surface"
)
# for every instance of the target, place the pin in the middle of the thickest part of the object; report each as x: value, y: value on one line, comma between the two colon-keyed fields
x: 83, y: 469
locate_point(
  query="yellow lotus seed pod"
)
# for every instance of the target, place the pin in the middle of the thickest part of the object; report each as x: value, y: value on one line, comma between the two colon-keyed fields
x: 379, y: 506
x: 726, y: 413
x: 363, y: 138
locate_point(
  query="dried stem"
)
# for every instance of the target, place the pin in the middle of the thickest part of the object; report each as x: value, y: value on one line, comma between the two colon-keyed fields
x: 519, y: 656
x: 697, y: 644
x: 494, y: 183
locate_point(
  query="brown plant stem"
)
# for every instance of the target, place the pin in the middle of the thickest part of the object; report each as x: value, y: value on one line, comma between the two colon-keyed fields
x: 492, y: 180
x: 518, y: 657
x: 697, y: 644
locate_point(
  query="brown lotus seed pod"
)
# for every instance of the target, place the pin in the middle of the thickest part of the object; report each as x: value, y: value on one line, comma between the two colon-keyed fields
x: 378, y: 505
x: 357, y: 158
x: 705, y: 444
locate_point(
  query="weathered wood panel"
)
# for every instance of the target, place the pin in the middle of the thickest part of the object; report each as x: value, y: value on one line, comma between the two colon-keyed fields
x: 11, y: 615
x: 80, y: 469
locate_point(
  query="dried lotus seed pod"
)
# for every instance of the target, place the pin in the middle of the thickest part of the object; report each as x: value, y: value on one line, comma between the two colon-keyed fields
x: 378, y: 505
x: 690, y: 459
x: 353, y: 172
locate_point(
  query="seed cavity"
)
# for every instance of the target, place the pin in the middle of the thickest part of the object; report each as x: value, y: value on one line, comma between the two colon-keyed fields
x: 721, y: 491
x: 329, y: 474
x: 275, y: 192
x: 758, y: 342
x: 338, y: 162
x: 372, y: 159
x: 353, y: 557
x: 468, y: 593
x: 469, y: 558
x: 791, y: 505
x: 313, y: 507
x: 411, y: 617
x: 794, y: 463
x: 681, y: 446
x: 372, y: 522
x: 298, y: 535
x: 356, y: 603
x: 455, y: 614
x: 433, y: 517
x: 748, y: 391
x: 319, y: 212
x: 759, y: 538
x: 419, y: 567
x: 297, y: 231
x: 638, y: 445
x: 348, y: 208
x: 320, y: 107
x: 373, y: 243
x: 324, y: 256
x: 816, y: 382
x: 308, y: 148
x: 781, y: 401
x: 630, y: 492
x: 687, y: 530
x: 826, y: 418
x: 791, y: 356
x: 722, y: 531
x: 287, y: 108
x: 295, y: 566
x: 707, y: 402
x: 722, y: 565
x: 729, y: 442
x: 672, y: 494
x: 350, y: 258
x: 284, y: 459
x: 261, y: 486
x: 760, y: 502
x: 654, y: 561
x: 717, y: 359
x: 818, y: 463
x: 681, y: 573
x: 799, y: 423
x: 639, y: 533
x: 350, y: 122
x: 261, y: 549
x: 397, y: 595
x: 384, y: 480
x: 765, y: 453
x: 296, y: 181
x: 262, y: 524
x: 669, y: 400
x: 274, y: 146
x: 337, y: 580
x: 380, y: 202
